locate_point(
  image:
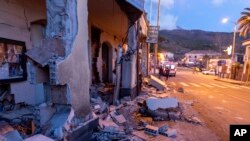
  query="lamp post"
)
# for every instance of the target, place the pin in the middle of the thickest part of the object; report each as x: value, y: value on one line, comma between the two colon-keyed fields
x: 224, y: 21
x: 156, y: 45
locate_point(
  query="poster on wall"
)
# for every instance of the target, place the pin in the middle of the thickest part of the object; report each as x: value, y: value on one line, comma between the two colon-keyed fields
x: 12, y: 61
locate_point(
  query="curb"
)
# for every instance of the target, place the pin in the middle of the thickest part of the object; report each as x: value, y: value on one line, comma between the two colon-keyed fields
x: 237, y: 83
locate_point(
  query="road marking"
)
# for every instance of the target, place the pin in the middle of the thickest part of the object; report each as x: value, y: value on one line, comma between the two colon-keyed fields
x: 206, y: 85
x: 184, y: 84
x: 173, y: 83
x: 195, y: 85
x: 234, y: 87
x: 218, y: 86
x: 245, y: 87
x: 239, y: 99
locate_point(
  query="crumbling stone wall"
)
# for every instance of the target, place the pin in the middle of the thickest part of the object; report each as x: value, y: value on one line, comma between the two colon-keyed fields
x: 67, y: 20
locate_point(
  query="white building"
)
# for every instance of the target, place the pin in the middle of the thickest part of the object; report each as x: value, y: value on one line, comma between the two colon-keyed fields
x: 196, y: 56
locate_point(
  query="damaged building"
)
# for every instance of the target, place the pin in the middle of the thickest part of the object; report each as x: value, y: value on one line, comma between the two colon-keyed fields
x: 53, y: 51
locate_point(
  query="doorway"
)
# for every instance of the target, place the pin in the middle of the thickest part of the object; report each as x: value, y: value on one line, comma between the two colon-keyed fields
x: 106, y: 63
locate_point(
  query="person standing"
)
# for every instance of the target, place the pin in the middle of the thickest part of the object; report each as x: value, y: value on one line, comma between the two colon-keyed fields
x: 167, y: 71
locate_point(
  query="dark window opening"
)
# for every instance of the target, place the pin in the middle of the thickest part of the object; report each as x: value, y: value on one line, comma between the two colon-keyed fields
x: 12, y: 61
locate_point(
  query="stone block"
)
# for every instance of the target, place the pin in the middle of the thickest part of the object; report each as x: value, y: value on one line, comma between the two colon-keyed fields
x: 157, y: 83
x: 164, y: 103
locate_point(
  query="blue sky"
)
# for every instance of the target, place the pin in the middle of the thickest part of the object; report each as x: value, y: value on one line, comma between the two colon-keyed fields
x: 197, y: 14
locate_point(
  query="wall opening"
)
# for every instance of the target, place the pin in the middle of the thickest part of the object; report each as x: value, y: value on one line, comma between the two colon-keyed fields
x: 95, y: 47
x: 106, y: 63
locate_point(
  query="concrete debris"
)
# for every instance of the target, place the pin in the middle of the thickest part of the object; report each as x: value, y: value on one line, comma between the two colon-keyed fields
x: 39, y: 137
x: 157, y: 83
x: 151, y: 130
x: 119, y: 118
x: 163, y: 129
x: 164, y: 103
x: 171, y: 132
x: 174, y: 115
x: 110, y: 133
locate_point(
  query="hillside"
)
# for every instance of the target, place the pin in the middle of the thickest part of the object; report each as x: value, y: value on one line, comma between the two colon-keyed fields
x: 180, y: 41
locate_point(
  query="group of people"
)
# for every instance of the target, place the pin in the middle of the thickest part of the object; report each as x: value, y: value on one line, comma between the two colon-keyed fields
x: 164, y: 71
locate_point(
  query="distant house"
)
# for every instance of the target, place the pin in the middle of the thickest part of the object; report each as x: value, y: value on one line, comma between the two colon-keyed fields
x: 196, y: 56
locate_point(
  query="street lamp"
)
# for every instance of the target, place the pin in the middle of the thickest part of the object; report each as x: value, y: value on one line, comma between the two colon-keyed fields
x: 224, y: 21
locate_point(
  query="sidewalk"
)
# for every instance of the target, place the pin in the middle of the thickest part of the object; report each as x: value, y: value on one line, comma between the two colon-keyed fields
x: 231, y: 81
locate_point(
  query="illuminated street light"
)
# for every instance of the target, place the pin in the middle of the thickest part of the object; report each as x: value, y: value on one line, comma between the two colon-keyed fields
x: 224, y: 21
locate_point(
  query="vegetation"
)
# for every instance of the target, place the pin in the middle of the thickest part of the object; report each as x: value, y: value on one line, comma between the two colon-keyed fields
x: 244, y: 23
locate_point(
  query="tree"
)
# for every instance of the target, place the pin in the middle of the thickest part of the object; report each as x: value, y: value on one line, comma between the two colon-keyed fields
x: 244, y: 23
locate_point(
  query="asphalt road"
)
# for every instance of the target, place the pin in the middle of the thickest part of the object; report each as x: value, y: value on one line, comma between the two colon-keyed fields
x: 218, y: 103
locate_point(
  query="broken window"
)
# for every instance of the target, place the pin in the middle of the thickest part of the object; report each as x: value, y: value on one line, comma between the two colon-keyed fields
x: 12, y: 60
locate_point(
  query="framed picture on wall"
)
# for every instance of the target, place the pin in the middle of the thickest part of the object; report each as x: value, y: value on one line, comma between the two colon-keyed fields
x: 12, y: 61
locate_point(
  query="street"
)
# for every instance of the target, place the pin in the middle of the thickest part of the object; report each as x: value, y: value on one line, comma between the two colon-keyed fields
x: 218, y: 103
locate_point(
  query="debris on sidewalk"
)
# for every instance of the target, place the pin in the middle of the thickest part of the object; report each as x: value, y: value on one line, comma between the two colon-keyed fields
x: 164, y: 103
x: 157, y: 83
x: 151, y: 130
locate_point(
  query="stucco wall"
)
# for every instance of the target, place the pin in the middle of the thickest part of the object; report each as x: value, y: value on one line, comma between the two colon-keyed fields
x: 73, y: 70
x: 112, y: 20
x: 15, y: 18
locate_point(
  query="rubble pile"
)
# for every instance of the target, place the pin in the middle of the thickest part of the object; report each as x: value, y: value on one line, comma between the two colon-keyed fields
x: 125, y: 121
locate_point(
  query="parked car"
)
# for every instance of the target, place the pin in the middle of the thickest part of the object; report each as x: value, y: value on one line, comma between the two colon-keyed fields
x: 209, y: 72
x: 173, y: 69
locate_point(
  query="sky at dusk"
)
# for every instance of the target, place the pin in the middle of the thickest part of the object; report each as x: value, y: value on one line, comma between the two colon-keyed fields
x: 197, y: 14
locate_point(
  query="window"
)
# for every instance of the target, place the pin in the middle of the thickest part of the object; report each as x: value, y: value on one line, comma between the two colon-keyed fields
x: 12, y: 61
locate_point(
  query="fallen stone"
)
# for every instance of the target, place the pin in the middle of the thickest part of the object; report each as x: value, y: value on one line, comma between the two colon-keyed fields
x: 151, y: 130
x: 163, y: 129
x: 39, y: 137
x: 174, y: 115
x: 164, y: 103
x: 171, y: 132
x: 180, y: 89
x: 157, y: 83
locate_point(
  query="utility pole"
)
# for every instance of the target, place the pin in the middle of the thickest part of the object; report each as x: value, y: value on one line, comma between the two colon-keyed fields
x: 233, y: 52
x: 156, y: 45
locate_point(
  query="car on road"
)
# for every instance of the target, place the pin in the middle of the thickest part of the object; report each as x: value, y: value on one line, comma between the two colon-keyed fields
x: 209, y: 72
x: 172, y: 68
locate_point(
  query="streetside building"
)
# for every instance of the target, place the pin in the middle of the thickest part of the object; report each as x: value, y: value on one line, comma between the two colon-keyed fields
x: 246, y: 70
x: 52, y: 51
x: 196, y: 56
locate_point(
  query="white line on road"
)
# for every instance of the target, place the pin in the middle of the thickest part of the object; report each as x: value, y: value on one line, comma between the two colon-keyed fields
x: 184, y: 84
x: 218, y: 86
x: 234, y: 87
x: 195, y: 85
x: 245, y: 87
x: 239, y: 99
x: 206, y: 85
